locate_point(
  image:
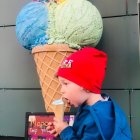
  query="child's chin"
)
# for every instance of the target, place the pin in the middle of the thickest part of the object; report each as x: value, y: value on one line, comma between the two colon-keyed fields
x: 74, y: 105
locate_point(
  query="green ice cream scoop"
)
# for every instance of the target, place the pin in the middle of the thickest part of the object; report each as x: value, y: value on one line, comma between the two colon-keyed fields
x: 77, y: 23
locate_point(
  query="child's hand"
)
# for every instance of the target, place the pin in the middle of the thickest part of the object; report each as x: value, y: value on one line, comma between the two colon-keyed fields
x: 59, y: 125
x: 50, y: 128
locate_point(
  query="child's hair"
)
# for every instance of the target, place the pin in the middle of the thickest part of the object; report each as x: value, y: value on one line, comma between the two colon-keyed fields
x: 86, y: 67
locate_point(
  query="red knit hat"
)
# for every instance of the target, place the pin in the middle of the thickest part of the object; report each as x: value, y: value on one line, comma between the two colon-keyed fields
x: 86, y: 68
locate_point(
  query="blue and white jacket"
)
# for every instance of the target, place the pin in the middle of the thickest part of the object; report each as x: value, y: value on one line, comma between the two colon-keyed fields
x: 104, y: 120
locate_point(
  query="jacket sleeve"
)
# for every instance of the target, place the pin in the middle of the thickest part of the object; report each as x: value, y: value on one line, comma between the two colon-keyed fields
x: 89, y: 132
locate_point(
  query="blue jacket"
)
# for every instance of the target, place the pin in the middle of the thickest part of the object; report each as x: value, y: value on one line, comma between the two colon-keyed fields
x: 102, y: 121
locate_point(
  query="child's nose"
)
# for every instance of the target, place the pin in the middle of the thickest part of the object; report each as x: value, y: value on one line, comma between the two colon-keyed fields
x: 62, y: 90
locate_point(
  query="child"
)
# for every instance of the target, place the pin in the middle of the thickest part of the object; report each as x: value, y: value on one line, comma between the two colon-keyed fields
x: 98, y: 117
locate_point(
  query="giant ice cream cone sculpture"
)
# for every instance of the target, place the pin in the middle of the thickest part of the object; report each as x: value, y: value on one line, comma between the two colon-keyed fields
x: 48, y: 59
x: 53, y: 30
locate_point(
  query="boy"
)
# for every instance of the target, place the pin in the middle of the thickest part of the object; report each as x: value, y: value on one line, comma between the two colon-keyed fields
x: 98, y: 117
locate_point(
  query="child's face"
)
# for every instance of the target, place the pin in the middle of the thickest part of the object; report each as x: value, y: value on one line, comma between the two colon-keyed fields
x: 75, y: 94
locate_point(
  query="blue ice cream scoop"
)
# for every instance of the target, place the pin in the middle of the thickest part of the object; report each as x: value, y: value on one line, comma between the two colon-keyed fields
x: 32, y: 25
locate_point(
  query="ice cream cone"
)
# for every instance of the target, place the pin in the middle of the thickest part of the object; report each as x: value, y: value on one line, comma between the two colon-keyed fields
x: 48, y: 58
x: 58, y: 109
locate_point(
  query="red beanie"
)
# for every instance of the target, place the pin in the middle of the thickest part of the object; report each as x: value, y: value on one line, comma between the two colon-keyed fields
x: 86, y: 68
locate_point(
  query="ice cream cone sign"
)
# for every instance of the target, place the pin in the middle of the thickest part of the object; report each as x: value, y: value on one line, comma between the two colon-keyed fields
x: 52, y: 30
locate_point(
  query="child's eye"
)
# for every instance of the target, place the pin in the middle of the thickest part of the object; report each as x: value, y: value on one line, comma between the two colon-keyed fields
x: 65, y: 83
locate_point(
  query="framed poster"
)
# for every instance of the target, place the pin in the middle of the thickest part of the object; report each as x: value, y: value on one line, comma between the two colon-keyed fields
x: 36, y: 124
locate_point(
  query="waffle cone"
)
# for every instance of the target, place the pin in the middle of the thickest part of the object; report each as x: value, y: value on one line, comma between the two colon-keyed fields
x: 48, y: 58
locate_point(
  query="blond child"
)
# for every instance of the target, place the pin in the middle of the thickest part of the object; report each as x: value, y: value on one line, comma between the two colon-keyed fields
x: 98, y: 116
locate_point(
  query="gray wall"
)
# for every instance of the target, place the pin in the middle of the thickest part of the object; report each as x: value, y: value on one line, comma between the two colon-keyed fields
x: 121, y: 42
x: 19, y: 86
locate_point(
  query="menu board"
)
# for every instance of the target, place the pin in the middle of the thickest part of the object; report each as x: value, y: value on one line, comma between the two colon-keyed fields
x: 36, y: 124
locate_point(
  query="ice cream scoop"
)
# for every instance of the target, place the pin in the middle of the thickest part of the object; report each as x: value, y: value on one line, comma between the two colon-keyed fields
x: 32, y: 24
x: 58, y: 108
x: 77, y: 23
